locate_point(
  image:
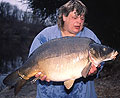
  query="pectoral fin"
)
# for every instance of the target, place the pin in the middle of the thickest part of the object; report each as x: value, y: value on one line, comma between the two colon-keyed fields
x: 69, y: 83
x: 86, y: 70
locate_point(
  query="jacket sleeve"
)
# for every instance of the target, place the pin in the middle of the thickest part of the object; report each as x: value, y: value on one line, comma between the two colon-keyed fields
x: 38, y: 41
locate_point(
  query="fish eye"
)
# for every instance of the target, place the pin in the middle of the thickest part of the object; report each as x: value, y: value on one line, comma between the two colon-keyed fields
x: 104, y: 49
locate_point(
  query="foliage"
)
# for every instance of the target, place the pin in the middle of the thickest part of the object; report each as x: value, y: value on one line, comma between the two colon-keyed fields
x: 17, y: 30
x: 45, y: 7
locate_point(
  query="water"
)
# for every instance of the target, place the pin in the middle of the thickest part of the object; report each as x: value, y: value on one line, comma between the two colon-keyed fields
x: 11, y: 65
x: 8, y: 67
x: 2, y: 86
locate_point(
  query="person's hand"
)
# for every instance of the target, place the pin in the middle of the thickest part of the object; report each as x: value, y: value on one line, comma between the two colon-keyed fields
x: 42, y: 77
x: 93, y: 69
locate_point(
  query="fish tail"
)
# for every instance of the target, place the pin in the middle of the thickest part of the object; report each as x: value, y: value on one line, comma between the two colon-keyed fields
x: 15, y: 81
x: 19, y: 85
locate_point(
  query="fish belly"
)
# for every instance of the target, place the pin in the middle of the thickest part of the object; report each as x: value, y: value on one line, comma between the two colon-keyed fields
x: 63, y: 68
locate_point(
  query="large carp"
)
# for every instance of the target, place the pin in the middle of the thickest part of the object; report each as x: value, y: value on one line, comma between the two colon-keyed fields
x: 62, y: 59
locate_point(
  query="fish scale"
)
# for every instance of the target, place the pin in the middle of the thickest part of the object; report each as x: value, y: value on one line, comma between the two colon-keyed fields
x: 61, y: 59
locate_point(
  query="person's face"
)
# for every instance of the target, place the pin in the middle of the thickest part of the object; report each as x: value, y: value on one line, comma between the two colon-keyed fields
x: 73, y: 23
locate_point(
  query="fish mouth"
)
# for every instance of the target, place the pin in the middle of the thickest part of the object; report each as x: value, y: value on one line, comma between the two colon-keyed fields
x: 113, y: 56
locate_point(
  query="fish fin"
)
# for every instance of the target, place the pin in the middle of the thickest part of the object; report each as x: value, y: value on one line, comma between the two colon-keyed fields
x: 11, y: 79
x: 19, y: 85
x: 86, y: 70
x: 69, y: 83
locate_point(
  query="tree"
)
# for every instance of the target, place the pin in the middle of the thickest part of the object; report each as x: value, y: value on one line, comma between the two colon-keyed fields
x: 45, y: 8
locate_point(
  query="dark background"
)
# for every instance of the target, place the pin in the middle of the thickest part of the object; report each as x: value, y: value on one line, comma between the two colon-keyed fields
x: 103, y: 19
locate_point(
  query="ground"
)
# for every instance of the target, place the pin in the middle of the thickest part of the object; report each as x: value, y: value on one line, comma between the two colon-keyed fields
x: 107, y: 88
x: 28, y: 91
x: 107, y: 85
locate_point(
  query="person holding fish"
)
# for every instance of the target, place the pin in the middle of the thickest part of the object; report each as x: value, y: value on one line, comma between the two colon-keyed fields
x: 65, y: 55
x: 71, y: 20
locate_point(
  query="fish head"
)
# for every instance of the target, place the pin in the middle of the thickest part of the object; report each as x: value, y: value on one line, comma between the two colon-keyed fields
x: 100, y: 53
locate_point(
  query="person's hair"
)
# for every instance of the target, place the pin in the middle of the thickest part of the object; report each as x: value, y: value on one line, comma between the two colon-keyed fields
x: 69, y: 7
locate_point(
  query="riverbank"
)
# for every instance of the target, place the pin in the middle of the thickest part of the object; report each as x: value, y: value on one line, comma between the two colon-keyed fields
x: 28, y: 91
